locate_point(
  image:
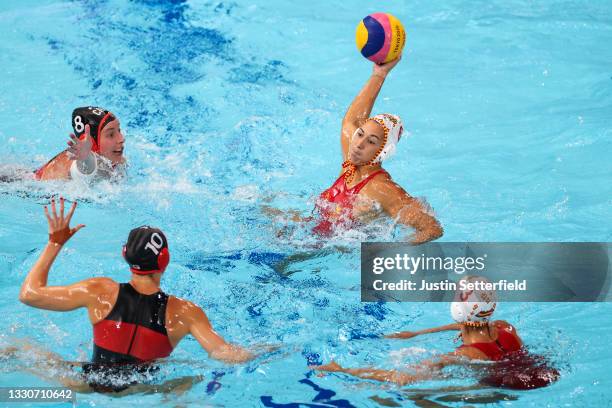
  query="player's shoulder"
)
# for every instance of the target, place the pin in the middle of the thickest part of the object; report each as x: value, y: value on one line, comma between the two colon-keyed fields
x: 184, y: 307
x: 383, y: 186
x: 100, y: 282
x: 384, y: 178
x: 504, y: 325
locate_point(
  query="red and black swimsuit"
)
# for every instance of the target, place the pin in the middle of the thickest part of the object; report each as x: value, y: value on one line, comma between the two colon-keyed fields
x: 134, y: 331
x: 128, y: 340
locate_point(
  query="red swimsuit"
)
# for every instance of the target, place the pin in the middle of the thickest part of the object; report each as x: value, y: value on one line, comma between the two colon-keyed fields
x: 496, y: 350
x: 514, y: 367
x: 335, y: 205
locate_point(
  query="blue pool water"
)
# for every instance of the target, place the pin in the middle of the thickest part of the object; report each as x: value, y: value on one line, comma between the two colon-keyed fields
x: 230, y: 105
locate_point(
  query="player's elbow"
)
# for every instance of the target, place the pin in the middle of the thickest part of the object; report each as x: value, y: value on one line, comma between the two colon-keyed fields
x: 27, y: 296
x: 428, y: 233
x: 436, y: 231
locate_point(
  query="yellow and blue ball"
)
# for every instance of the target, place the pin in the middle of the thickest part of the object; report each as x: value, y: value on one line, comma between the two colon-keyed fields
x: 380, y: 37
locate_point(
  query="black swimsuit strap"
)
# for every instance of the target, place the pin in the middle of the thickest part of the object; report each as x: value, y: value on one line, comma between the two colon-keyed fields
x: 500, y: 346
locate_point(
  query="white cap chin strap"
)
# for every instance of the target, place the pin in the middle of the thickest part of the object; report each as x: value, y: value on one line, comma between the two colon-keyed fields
x: 387, y: 152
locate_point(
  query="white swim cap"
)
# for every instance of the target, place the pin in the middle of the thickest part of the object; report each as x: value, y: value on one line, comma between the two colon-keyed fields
x: 393, y: 127
x: 473, y: 307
